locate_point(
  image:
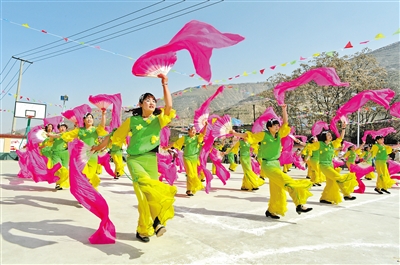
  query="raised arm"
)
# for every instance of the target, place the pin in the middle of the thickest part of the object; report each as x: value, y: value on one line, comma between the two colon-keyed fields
x: 284, y: 113
x: 167, y: 94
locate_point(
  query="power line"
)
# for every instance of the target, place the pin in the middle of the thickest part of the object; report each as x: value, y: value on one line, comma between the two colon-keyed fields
x: 5, y: 93
x: 76, y: 34
x: 8, y: 70
x: 134, y: 27
x: 67, y: 43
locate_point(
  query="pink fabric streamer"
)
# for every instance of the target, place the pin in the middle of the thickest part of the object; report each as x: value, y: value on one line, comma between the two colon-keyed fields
x: 220, y: 171
x: 199, y: 39
x: 88, y: 196
x: 395, y: 109
x: 346, y: 145
x: 76, y: 114
x: 116, y: 100
x: 202, y: 113
x: 393, y: 167
x: 179, y: 160
x: 164, y: 136
x: 104, y: 160
x: 258, y: 125
x: 166, y: 168
x: 383, y: 132
x: 208, y: 143
x: 298, y: 161
x: 32, y: 164
x: 324, y: 76
x: 53, y: 120
x: 337, y: 162
x: 361, y: 170
x: 381, y: 97
x: 255, y: 166
x: 318, y: 127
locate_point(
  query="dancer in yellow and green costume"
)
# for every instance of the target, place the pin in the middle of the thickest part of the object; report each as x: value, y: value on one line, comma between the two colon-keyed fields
x: 89, y: 134
x: 315, y: 175
x: 351, y: 155
x: 335, y: 182
x: 231, y: 159
x: 250, y: 180
x: 380, y: 152
x: 279, y: 182
x: 155, y: 198
x: 191, y: 153
x: 60, y: 154
x: 368, y: 159
x: 45, y: 146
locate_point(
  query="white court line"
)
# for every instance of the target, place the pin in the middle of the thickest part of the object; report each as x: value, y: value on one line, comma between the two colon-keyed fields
x: 201, y: 219
x: 261, y: 253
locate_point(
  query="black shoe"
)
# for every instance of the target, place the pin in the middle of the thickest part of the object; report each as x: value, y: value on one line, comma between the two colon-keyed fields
x: 300, y: 209
x: 189, y: 193
x: 318, y: 184
x: 385, y: 191
x: 144, y: 239
x: 348, y: 198
x: 325, y: 201
x: 231, y: 170
x: 58, y: 187
x: 378, y: 191
x: 255, y: 188
x: 243, y: 188
x: 262, y: 178
x: 314, y: 184
x: 202, y: 180
x: 367, y: 178
x: 307, y: 177
x: 160, y: 230
x: 268, y: 214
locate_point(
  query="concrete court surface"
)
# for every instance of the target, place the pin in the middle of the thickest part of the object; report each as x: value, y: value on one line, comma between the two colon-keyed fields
x: 40, y: 225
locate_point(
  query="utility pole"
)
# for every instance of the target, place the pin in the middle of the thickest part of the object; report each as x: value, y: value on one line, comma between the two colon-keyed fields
x: 14, y: 122
x: 254, y: 113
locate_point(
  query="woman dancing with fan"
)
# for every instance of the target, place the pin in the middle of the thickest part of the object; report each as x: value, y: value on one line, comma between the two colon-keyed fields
x: 315, y: 174
x: 279, y: 182
x: 89, y: 134
x: 351, y: 155
x: 60, y: 154
x: 155, y: 198
x: 45, y: 146
x: 367, y: 159
x: 380, y: 152
x: 192, y: 143
x: 335, y: 182
x: 250, y: 180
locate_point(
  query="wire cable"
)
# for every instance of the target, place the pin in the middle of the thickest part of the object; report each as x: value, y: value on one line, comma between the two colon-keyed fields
x: 41, y: 59
x: 5, y: 93
x: 105, y: 23
x: 8, y: 71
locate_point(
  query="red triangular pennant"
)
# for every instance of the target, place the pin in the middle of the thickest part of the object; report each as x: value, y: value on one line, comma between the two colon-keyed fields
x: 302, y: 58
x: 191, y: 75
x: 237, y: 76
x: 348, y: 45
x: 44, y: 31
x: 273, y: 67
x: 66, y: 39
x: 262, y: 71
x: 230, y: 78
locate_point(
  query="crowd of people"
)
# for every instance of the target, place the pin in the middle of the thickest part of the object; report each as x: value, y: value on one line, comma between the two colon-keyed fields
x: 259, y: 156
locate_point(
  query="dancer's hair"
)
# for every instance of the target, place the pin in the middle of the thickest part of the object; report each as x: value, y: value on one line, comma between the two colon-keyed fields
x: 62, y: 124
x: 271, y: 122
x: 139, y: 111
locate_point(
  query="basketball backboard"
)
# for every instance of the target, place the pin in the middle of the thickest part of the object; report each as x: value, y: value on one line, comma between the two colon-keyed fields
x: 29, y: 110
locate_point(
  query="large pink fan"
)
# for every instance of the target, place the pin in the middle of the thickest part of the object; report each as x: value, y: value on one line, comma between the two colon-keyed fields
x: 152, y: 64
x: 102, y: 101
x: 88, y: 196
x: 199, y: 39
x: 76, y: 114
x: 383, y: 132
x: 318, y: 127
x: 201, y: 114
x: 222, y: 126
x: 337, y: 162
x: 258, y: 125
x: 346, y: 145
x: 395, y: 109
x: 324, y: 76
x: 220, y: 170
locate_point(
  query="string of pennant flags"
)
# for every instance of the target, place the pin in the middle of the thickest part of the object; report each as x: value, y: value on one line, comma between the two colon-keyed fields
x: 349, y: 45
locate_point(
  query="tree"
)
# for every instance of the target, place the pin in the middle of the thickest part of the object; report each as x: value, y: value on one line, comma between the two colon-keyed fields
x: 310, y: 103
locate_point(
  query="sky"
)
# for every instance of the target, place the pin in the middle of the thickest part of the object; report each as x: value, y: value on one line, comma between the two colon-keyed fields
x: 275, y: 32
